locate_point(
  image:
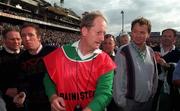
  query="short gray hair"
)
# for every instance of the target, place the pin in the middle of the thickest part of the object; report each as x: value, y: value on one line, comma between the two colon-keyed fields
x: 125, y: 34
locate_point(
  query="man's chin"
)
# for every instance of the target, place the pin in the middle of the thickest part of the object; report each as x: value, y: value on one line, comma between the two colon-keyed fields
x: 96, y: 48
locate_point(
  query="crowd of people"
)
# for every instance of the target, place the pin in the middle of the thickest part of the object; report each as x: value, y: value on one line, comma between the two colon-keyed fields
x: 58, y: 38
x: 79, y: 76
x: 49, y: 36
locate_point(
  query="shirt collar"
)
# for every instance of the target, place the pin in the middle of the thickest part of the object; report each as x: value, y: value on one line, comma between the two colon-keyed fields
x: 10, y: 51
x: 137, y: 48
x: 163, y: 52
x: 113, y: 53
x: 76, y: 44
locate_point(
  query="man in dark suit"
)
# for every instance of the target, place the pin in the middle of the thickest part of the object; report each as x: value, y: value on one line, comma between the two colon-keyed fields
x: 169, y: 55
x: 8, y: 62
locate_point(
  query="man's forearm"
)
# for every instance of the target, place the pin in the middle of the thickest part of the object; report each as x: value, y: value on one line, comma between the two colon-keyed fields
x: 49, y: 86
x: 103, y: 93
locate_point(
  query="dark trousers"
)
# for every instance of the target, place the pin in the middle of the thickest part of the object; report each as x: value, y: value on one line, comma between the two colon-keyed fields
x: 138, y: 106
x: 38, y: 106
x: 156, y: 97
x: 170, y: 102
x: 113, y: 107
x: 166, y: 102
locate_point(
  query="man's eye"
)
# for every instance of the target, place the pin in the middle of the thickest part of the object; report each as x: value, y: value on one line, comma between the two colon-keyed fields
x: 99, y: 33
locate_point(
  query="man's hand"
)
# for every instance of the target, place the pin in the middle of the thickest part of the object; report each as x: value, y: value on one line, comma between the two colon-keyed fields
x: 163, y: 63
x: 19, y: 99
x: 57, y: 103
x: 86, y: 109
x: 11, y: 92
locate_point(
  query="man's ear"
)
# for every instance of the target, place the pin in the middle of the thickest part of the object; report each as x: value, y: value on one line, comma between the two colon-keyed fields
x: 84, y: 31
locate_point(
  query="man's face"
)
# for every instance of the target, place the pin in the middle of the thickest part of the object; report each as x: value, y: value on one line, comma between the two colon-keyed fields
x: 139, y: 34
x: 108, y: 45
x: 168, y: 39
x: 94, y: 35
x: 13, y: 40
x: 124, y: 40
x: 30, y: 39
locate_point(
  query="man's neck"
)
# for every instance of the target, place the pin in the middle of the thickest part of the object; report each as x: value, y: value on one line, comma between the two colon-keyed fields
x: 167, y: 48
x: 35, y: 51
x: 15, y: 51
x: 83, y: 48
x: 141, y: 47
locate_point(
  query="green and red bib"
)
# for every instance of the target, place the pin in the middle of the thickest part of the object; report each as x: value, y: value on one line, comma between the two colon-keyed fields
x: 76, y: 79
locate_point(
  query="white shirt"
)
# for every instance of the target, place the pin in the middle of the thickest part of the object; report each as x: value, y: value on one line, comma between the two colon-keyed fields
x: 83, y: 57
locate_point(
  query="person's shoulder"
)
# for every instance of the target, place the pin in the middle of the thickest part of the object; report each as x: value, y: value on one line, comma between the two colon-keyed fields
x: 156, y: 48
x: 123, y: 46
x: 23, y: 55
x: 24, y: 52
x: 50, y: 47
x: 177, y: 49
x: 3, y: 52
x: 177, y: 52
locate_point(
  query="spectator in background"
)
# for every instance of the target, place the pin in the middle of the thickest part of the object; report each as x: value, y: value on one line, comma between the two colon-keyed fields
x: 169, y: 55
x: 123, y: 39
x: 136, y: 78
x: 109, y: 45
x: 81, y: 75
x: 32, y: 70
x: 8, y: 65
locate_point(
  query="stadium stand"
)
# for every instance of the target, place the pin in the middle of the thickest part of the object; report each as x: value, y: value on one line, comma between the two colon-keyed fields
x: 59, y: 25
